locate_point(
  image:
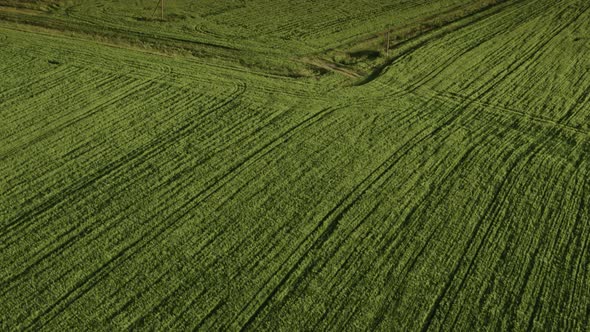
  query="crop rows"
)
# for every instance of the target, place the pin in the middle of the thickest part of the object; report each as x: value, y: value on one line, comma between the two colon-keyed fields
x: 448, y: 191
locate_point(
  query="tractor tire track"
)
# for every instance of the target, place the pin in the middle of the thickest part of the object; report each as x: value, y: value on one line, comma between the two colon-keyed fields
x: 141, y: 243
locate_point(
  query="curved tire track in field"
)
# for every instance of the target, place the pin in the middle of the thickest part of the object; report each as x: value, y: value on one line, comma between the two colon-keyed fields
x: 329, y: 223
x: 71, y: 192
x: 496, y: 219
x: 393, y: 244
x: 432, y: 73
x: 117, y: 166
x: 141, y: 243
x: 328, y: 236
x: 492, y: 215
x: 258, y: 155
x: 71, y: 199
x: 423, y: 40
x: 535, y: 51
x: 492, y: 209
x: 54, y: 125
x: 322, y: 238
x: 89, y: 179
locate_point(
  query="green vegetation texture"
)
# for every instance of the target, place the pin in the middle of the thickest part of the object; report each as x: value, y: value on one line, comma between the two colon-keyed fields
x: 268, y: 165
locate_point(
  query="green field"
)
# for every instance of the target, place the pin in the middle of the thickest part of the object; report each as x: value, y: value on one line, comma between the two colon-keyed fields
x: 268, y: 165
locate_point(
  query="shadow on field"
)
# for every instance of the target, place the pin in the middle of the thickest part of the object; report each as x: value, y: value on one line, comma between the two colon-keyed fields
x: 168, y: 18
x: 365, y: 54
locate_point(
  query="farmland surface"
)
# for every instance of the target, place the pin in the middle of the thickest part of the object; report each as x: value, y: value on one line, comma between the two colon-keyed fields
x: 268, y: 165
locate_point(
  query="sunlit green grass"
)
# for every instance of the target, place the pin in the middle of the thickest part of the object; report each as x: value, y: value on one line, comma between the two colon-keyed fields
x: 198, y: 173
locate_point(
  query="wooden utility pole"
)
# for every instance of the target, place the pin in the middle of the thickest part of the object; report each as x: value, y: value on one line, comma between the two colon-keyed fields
x: 386, y: 42
x: 161, y: 5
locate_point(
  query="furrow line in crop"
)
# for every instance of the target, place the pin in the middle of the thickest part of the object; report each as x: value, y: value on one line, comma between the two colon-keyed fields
x: 561, y: 292
x: 535, y: 51
x: 40, y: 101
x: 24, y: 233
x: 530, y: 53
x: 193, y: 258
x: 73, y: 92
x: 537, y: 305
x: 385, y: 259
x: 332, y: 219
x: 346, y: 286
x: 16, y: 67
x: 101, y: 104
x: 84, y: 185
x: 228, y: 175
x: 100, y: 273
x: 101, y: 145
x: 499, y: 110
x: 402, y: 236
x: 478, y: 41
x: 534, y: 257
x: 141, y: 243
x: 525, y: 184
x: 171, y: 293
x: 492, y: 209
x: 52, y: 77
x: 407, y: 48
x: 51, y: 202
x: 543, y: 212
x: 582, y: 243
x: 579, y: 105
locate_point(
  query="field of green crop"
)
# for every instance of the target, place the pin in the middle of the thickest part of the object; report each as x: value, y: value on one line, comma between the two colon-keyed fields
x: 268, y: 165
